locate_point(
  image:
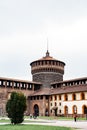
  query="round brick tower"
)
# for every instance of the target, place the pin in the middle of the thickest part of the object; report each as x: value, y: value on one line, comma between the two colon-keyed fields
x: 47, y: 70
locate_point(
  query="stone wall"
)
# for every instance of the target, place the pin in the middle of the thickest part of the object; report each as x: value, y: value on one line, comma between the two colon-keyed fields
x: 5, y: 95
x: 47, y: 78
x: 43, y: 104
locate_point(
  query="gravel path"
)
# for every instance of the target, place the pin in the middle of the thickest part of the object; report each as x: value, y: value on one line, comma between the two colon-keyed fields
x: 82, y: 125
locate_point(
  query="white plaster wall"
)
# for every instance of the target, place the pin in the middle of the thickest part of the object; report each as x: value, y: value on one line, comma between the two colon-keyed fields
x: 63, y: 97
x: 70, y: 105
x: 70, y: 97
x: 78, y: 96
x: 85, y: 95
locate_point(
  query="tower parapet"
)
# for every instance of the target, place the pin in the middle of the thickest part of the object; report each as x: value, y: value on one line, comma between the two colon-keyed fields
x: 47, y: 70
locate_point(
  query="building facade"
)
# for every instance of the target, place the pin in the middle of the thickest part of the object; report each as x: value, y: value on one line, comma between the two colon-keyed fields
x: 48, y: 93
x: 69, y: 97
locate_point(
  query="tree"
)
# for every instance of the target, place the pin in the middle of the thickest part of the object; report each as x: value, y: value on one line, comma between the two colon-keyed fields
x: 16, y: 107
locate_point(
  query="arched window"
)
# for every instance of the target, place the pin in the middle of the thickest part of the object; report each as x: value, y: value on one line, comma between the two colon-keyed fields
x: 82, y: 96
x: 74, y: 109
x: 65, y: 97
x: 74, y: 96
x: 55, y: 98
x: 51, y: 104
x: 84, y: 109
x: 55, y: 104
x: 59, y: 97
x: 65, y: 110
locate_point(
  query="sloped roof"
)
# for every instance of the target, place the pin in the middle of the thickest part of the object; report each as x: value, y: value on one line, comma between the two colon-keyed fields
x: 68, y: 89
x: 47, y: 57
x: 43, y: 91
x: 19, y: 80
x: 60, y: 90
x: 71, y: 80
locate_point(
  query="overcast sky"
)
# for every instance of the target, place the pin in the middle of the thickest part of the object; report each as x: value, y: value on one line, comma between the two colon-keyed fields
x: 25, y: 26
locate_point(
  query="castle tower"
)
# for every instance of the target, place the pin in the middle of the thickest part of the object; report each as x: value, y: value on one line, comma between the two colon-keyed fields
x: 47, y: 70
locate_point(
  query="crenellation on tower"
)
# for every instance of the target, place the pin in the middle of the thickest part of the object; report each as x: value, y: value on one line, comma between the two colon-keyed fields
x: 47, y: 70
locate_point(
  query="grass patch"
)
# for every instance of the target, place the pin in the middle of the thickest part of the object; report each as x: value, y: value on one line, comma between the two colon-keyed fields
x: 32, y: 127
x: 56, y: 118
x: 5, y: 121
x: 60, y: 118
x: 44, y: 118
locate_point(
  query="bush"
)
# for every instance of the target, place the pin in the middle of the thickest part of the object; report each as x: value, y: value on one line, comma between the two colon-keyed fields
x: 16, y: 107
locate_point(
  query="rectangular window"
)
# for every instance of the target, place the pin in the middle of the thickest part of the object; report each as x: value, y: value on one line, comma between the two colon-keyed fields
x: 14, y: 84
x: 60, y: 104
x: 59, y: 97
x: 60, y: 111
x: 30, y: 98
x: 10, y: 83
x: 55, y: 104
x: 51, y: 104
x: 7, y: 83
x: 55, y: 97
x: 4, y: 83
x: 34, y: 98
x: 0, y: 82
x: 37, y: 97
x: 47, y: 97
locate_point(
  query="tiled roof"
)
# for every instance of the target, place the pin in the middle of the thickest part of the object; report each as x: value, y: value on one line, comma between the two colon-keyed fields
x: 71, y: 80
x: 19, y: 80
x: 47, y: 58
x: 68, y: 89
x: 60, y: 90
x: 43, y: 91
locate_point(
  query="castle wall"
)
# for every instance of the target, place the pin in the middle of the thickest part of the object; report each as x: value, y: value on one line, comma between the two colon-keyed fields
x: 7, y: 86
x: 46, y: 78
x: 42, y: 104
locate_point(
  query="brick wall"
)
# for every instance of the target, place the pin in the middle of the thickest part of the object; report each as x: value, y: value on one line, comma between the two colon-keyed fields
x: 47, y: 78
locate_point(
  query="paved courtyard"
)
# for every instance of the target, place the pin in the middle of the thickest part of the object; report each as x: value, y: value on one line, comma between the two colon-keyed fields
x: 82, y: 125
x: 79, y: 125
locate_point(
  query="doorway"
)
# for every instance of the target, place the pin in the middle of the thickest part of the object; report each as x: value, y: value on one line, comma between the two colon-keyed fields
x: 36, y: 110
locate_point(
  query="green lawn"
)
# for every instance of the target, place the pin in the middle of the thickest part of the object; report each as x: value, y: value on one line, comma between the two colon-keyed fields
x: 32, y: 127
x: 56, y: 118
x: 60, y: 118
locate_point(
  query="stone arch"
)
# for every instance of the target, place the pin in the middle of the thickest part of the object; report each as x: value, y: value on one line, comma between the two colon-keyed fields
x: 36, y: 110
x: 65, y: 110
x: 74, y: 109
x: 84, y: 108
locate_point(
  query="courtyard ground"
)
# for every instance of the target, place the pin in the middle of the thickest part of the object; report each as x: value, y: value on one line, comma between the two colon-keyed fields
x: 79, y: 124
